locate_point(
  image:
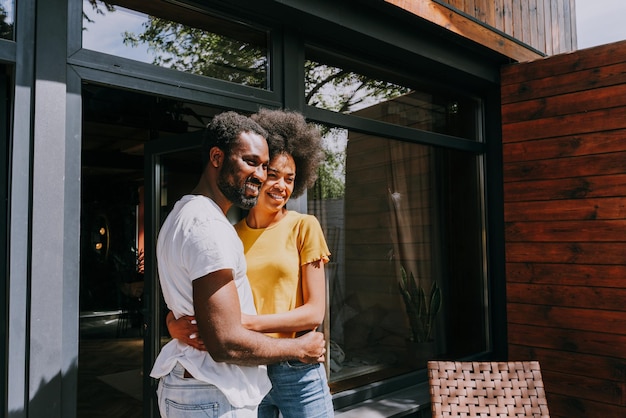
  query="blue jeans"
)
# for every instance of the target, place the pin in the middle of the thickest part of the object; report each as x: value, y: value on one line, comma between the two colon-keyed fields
x: 181, y: 397
x: 299, y: 390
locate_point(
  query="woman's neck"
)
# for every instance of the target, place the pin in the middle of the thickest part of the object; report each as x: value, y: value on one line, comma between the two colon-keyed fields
x: 258, y: 218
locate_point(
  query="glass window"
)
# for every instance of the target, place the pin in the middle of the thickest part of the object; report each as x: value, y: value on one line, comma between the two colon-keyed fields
x: 7, y: 18
x: 405, y: 224
x: 396, y: 212
x: 194, y: 42
x: 426, y: 108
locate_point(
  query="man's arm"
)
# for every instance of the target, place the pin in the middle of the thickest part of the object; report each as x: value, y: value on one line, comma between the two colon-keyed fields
x: 218, y: 314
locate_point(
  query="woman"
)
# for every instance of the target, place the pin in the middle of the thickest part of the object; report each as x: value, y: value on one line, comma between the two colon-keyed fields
x: 285, y: 252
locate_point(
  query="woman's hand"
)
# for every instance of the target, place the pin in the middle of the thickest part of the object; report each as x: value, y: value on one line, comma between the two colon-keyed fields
x: 185, y: 330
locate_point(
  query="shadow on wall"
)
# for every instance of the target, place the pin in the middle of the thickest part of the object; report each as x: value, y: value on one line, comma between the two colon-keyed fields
x: 47, y: 399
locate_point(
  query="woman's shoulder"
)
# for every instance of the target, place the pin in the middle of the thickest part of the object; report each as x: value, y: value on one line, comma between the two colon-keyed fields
x: 305, y: 220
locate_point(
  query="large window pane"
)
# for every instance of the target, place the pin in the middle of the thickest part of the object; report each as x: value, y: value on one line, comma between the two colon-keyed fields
x: 405, y: 224
x: 388, y: 206
x: 7, y: 18
x: 426, y: 108
x: 193, y: 42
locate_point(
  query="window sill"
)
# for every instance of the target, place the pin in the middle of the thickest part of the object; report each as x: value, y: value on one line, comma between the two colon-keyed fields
x: 400, y: 403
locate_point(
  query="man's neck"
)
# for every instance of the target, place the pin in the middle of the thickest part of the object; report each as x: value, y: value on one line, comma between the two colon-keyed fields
x: 213, y: 194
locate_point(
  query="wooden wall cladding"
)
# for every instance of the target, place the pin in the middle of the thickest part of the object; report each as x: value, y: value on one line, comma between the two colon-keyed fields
x: 564, y: 153
x: 548, y: 27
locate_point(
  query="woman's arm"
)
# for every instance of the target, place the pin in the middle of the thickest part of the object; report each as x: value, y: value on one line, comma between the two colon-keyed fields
x: 184, y: 329
x: 303, y: 318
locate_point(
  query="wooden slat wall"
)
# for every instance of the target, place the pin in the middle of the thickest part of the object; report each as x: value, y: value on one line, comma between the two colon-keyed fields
x: 564, y: 145
x: 546, y: 26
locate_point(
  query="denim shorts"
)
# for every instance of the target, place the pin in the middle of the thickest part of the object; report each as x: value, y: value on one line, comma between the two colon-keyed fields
x: 299, y: 390
x: 181, y: 397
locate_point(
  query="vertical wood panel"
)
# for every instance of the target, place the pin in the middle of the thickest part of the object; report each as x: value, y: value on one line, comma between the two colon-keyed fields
x: 508, y: 17
x: 499, y: 14
x: 554, y: 18
x: 468, y: 7
x: 481, y: 10
x: 532, y: 19
x: 541, y: 29
x: 516, y: 10
x: 547, y: 16
x: 572, y: 19
x: 525, y: 18
x: 561, y: 25
x: 568, y: 28
x: 490, y: 10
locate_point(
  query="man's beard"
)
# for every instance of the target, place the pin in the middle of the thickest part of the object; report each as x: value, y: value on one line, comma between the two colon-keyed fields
x: 236, y: 195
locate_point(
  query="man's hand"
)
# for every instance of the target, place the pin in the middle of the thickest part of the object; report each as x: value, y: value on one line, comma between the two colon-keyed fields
x: 313, y: 346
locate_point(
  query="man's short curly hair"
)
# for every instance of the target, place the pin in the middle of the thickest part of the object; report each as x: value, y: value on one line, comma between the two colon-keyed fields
x: 223, y: 132
x: 289, y: 133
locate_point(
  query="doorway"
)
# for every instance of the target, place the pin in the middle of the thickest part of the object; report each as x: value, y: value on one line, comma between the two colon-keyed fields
x: 120, y: 303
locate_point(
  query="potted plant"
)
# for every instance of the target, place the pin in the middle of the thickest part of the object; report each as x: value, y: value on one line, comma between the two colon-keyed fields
x: 420, y: 307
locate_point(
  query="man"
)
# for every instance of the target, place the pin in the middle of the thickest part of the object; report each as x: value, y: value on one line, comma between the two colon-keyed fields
x: 202, y: 271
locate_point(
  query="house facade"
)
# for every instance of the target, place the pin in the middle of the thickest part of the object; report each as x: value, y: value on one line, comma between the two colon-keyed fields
x: 103, y: 106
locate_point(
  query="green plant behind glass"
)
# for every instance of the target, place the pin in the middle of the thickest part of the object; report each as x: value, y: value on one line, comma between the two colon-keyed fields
x: 421, y: 314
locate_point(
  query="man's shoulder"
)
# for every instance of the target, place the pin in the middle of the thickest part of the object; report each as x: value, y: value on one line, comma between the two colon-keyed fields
x: 199, y: 207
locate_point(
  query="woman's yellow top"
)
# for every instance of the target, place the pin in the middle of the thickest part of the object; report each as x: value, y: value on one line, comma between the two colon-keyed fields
x: 274, y: 256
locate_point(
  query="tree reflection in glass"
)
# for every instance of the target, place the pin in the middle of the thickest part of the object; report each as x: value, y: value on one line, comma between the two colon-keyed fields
x: 7, y: 8
x: 229, y: 51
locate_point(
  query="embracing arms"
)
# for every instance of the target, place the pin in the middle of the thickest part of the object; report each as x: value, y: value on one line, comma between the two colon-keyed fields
x: 218, y: 316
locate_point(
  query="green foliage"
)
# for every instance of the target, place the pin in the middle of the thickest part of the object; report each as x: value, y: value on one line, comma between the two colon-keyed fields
x: 421, y: 314
x: 196, y: 51
x: 330, y: 183
x: 342, y: 90
x: 95, y: 6
x: 6, y: 29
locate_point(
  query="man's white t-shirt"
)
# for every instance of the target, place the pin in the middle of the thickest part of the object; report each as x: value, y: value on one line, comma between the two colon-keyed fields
x: 195, y: 240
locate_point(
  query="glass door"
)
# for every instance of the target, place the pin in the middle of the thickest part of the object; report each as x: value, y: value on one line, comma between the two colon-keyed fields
x: 173, y: 166
x: 139, y: 155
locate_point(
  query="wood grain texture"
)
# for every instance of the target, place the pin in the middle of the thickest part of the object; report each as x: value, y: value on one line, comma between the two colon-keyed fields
x: 564, y: 154
x: 520, y: 29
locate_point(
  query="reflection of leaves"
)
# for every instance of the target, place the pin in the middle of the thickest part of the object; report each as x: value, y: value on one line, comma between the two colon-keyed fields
x: 331, y: 173
x: 330, y: 183
x: 344, y: 91
x: 6, y: 29
x: 96, y: 6
x: 340, y: 90
x: 196, y: 51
